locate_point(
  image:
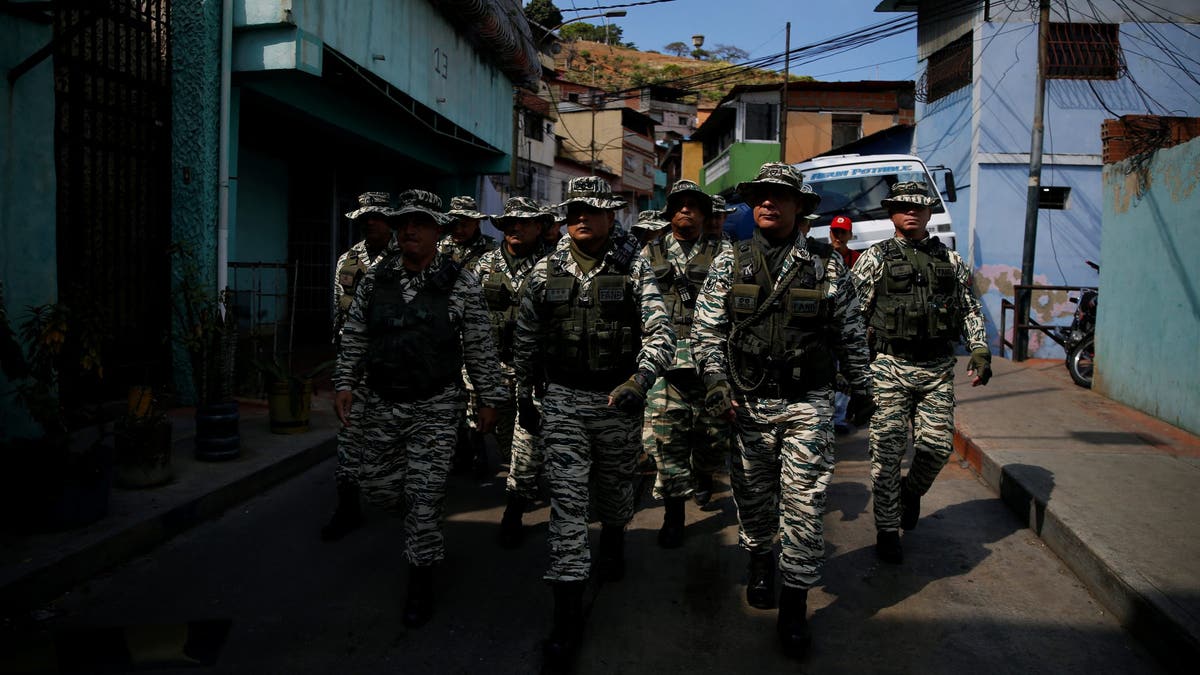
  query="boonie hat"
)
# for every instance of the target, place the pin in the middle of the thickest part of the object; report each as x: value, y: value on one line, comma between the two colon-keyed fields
x: 774, y: 174
x: 680, y: 188
x: 719, y: 205
x: 593, y: 191
x: 521, y: 207
x: 421, y: 201
x: 649, y: 221
x: 372, y: 202
x: 909, y: 192
x: 840, y: 223
x: 465, y: 206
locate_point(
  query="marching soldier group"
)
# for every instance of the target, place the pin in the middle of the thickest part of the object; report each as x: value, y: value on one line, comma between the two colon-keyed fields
x: 581, y: 351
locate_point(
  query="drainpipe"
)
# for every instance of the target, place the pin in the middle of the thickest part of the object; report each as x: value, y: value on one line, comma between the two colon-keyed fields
x: 223, y: 144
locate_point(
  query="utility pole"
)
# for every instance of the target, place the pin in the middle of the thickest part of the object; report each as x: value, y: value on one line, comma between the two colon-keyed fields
x: 592, y: 137
x: 783, y: 93
x: 1021, y: 349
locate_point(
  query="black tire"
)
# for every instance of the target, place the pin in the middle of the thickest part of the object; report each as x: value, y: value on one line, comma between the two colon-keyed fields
x: 1080, y: 362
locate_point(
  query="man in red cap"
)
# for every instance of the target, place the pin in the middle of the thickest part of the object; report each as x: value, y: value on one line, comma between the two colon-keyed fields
x: 839, y: 236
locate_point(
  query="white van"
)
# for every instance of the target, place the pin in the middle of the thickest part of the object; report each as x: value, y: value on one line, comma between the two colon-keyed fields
x: 853, y: 185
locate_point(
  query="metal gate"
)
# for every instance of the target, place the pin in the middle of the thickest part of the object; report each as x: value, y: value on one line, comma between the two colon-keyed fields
x: 112, y: 86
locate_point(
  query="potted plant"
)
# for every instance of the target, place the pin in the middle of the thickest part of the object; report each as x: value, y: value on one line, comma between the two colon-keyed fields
x: 289, y: 394
x: 60, y: 472
x: 142, y: 438
x: 207, y: 329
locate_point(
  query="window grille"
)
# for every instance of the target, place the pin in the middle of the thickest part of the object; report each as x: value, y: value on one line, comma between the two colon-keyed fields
x: 948, y: 70
x: 1083, y: 51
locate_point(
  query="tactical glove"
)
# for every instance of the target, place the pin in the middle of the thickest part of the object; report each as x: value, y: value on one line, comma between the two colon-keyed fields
x: 719, y: 398
x: 981, y: 365
x: 528, y: 415
x: 630, y: 396
x: 860, y: 408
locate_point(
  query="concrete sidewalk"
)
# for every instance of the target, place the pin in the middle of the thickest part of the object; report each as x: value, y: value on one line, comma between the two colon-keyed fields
x: 1109, y: 489
x: 34, y: 568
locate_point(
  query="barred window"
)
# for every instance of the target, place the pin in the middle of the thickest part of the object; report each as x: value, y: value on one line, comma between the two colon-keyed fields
x: 948, y: 70
x: 533, y: 125
x: 762, y: 121
x: 846, y: 129
x: 1083, y: 51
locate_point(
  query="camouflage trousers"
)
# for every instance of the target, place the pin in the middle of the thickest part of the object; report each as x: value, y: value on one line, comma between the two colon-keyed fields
x: 684, y: 440
x: 585, y: 440
x: 916, y: 395
x: 521, y: 449
x: 780, y: 472
x: 350, y: 440
x: 405, y: 460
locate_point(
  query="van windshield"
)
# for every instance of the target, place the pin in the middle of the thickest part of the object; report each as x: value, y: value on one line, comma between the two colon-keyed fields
x: 858, y: 197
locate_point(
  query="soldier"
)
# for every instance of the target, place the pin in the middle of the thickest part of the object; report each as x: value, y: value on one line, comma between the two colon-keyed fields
x: 768, y: 326
x: 416, y: 320
x: 504, y: 274
x: 649, y: 226
x: 716, y: 224
x: 466, y: 244
x: 372, y: 215
x: 593, y: 327
x: 689, y: 444
x: 553, y: 232
x: 916, y: 296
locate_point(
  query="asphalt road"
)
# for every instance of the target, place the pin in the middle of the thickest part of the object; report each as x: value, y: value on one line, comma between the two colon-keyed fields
x: 976, y: 594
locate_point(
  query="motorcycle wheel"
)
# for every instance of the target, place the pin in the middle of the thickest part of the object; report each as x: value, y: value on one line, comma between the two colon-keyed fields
x: 1080, y: 363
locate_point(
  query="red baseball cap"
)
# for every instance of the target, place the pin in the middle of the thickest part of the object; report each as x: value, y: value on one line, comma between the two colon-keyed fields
x: 840, y: 223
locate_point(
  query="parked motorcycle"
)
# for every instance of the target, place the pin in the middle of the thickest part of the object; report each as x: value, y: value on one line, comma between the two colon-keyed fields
x: 1080, y: 337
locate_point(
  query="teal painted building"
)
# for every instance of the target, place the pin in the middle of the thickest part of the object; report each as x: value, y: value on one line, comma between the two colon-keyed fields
x: 320, y: 99
x: 1148, y: 319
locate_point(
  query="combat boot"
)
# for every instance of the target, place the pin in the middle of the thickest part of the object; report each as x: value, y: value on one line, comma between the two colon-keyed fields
x: 610, y: 560
x: 559, y: 650
x: 347, y: 517
x: 760, y: 580
x: 671, y: 534
x: 418, y: 605
x: 887, y: 547
x: 704, y: 489
x: 910, y: 506
x: 792, y: 623
x: 511, y: 529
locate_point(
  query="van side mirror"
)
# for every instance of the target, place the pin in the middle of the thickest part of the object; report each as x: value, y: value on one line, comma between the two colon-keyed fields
x: 951, y: 190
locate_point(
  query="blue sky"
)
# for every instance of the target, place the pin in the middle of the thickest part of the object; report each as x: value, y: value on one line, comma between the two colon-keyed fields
x: 757, y: 26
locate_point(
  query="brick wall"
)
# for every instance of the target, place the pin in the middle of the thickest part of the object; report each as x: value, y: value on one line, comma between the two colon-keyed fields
x: 1137, y: 134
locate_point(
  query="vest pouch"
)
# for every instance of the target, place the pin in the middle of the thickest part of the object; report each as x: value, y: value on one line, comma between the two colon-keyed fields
x: 804, y: 303
x: 609, y: 290
x: 899, y: 276
x: 745, y: 299
x: 497, y: 295
x: 559, y: 290
x: 944, y: 280
x: 568, y: 345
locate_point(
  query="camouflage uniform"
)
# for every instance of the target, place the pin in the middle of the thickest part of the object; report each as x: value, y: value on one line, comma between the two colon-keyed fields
x: 351, y: 267
x: 679, y: 434
x: 912, y: 389
x: 503, y: 278
x: 785, y: 441
x: 581, y: 431
x: 410, y: 448
x: 468, y: 254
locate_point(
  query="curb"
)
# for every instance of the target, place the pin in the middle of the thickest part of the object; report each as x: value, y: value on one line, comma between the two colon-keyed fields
x: 1135, y: 602
x: 60, y: 575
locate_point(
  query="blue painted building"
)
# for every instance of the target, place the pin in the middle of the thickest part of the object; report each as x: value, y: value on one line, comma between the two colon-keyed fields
x: 975, y: 110
x: 241, y: 130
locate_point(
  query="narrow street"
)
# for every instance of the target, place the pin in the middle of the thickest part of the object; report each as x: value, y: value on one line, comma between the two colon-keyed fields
x: 977, y: 593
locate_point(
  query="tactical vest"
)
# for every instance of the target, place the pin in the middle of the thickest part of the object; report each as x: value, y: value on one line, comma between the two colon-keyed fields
x: 593, y: 338
x: 414, y: 349
x: 787, y: 349
x: 917, y: 315
x: 679, y: 291
x: 502, y: 302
